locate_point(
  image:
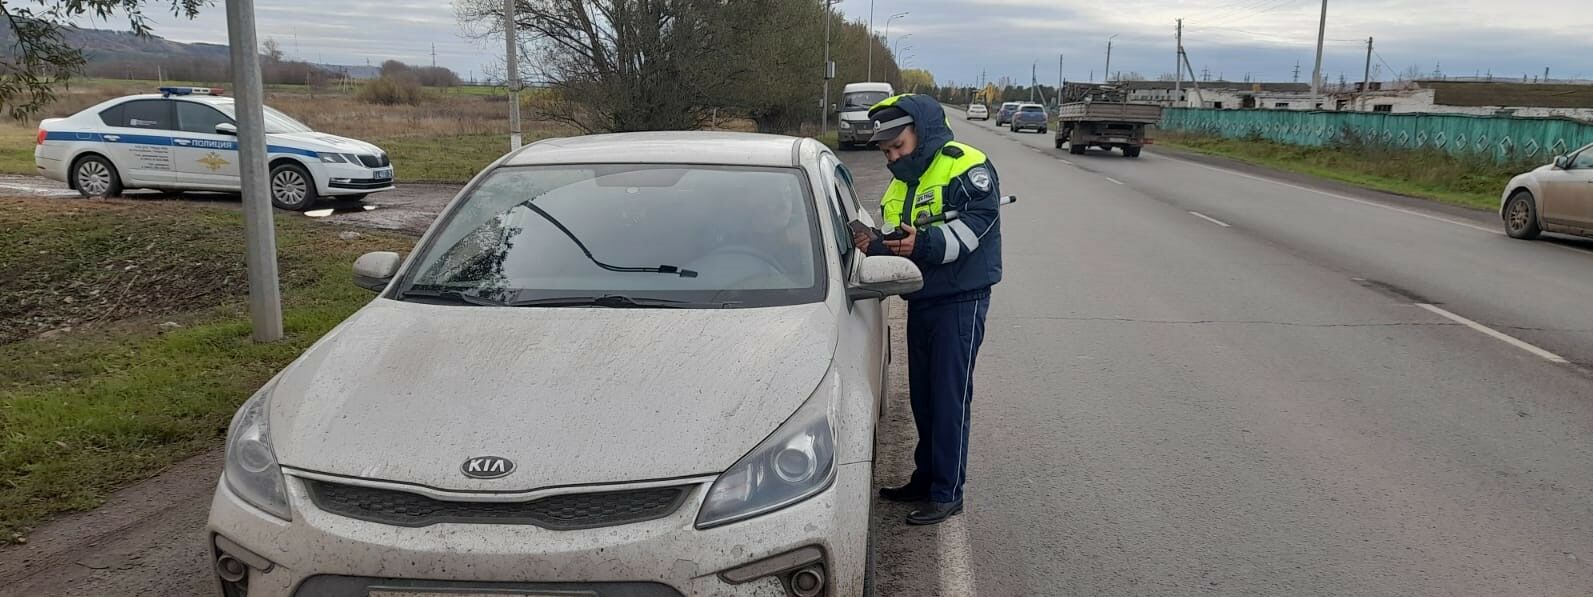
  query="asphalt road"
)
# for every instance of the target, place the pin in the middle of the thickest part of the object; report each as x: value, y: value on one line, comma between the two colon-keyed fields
x: 1196, y: 381
x: 1201, y: 381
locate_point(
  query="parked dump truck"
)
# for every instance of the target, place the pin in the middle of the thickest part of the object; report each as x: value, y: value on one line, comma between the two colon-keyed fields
x: 1103, y: 118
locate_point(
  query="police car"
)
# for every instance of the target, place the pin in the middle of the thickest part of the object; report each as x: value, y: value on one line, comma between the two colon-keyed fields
x: 185, y: 138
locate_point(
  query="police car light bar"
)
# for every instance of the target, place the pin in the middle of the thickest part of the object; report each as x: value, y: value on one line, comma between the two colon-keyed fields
x: 171, y: 91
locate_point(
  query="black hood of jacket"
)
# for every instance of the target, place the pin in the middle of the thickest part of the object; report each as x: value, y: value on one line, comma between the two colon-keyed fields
x: 929, y: 120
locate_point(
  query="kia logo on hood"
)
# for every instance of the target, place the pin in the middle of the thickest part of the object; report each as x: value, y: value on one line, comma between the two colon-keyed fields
x: 487, y: 467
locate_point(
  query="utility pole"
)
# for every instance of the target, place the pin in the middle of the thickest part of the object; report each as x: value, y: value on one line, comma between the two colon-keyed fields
x: 1178, y: 65
x: 1366, y: 83
x: 1297, y: 71
x: 1545, y: 74
x: 871, y: 40
x: 1108, y: 73
x: 1316, y: 76
x: 1061, y: 81
x: 434, y: 55
x: 829, y: 72
x: 1034, y: 80
x: 259, y: 232
x: 513, y: 59
x: 1193, y: 82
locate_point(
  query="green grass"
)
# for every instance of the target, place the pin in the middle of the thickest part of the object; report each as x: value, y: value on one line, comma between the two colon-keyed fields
x: 16, y: 148
x: 445, y: 159
x: 117, y: 401
x: 1469, y: 181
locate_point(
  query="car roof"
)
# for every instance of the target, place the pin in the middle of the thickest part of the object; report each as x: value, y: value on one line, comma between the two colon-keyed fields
x: 1031, y: 106
x: 213, y: 100
x: 1005, y: 104
x: 663, y: 147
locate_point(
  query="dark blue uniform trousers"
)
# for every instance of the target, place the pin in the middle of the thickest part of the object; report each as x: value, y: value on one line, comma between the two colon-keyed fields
x: 942, y: 344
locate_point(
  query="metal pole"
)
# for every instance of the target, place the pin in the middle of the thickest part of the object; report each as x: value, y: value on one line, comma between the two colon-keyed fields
x: 512, y: 58
x: 1316, y: 76
x: 259, y: 231
x: 1366, y: 83
x: 1178, y: 66
x: 1108, y: 73
x: 824, y: 106
x: 871, y: 40
x: 898, y: 47
x: 1061, y: 60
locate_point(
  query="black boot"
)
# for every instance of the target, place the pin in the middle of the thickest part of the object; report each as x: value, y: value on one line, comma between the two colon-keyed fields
x: 935, y: 513
x: 905, y: 494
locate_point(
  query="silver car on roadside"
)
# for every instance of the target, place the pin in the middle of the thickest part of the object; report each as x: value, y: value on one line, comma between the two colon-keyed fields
x: 1556, y: 197
x: 640, y: 365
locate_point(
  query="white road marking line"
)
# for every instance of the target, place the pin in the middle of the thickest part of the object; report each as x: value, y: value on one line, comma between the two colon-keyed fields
x: 1067, y: 162
x: 1113, y: 180
x: 1210, y: 219
x: 956, y: 567
x: 1338, y: 196
x: 1497, y: 335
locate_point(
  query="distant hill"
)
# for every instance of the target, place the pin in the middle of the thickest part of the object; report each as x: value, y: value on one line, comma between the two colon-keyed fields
x: 106, y: 47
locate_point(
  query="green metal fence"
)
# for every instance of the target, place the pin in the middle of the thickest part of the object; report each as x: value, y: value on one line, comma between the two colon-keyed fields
x: 1506, y: 138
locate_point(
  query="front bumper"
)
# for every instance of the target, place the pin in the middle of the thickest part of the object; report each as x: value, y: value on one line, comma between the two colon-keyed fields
x: 350, y: 179
x: 326, y: 555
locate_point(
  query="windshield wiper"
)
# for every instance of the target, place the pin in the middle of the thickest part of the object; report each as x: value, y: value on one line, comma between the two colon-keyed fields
x: 619, y: 301
x: 452, y: 296
x: 662, y: 269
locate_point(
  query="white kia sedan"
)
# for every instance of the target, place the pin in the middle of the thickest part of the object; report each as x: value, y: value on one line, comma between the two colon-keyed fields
x: 185, y: 139
x: 639, y: 365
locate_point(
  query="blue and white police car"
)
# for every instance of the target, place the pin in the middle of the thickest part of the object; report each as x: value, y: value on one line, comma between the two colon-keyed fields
x: 185, y: 139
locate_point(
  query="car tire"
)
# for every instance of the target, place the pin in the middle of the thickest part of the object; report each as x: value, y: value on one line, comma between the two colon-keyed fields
x: 292, y: 188
x: 95, y: 178
x: 1059, y: 143
x: 1131, y: 152
x: 1077, y: 148
x: 869, y: 565
x: 1521, y: 216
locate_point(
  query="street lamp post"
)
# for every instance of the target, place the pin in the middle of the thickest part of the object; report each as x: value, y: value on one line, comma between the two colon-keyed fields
x: 829, y: 70
x: 897, y: 48
x: 887, y: 33
x: 871, y: 40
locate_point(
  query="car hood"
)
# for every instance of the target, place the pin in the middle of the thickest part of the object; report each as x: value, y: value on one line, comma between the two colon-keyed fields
x: 314, y: 141
x: 406, y: 392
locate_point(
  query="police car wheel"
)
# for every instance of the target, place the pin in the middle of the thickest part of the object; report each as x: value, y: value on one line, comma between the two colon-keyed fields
x: 292, y: 188
x: 95, y: 177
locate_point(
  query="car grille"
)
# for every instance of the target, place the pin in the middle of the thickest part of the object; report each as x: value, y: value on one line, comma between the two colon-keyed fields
x: 560, y: 512
x: 375, y: 161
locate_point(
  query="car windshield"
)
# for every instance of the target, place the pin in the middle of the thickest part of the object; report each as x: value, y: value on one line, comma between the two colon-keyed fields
x: 678, y: 236
x: 276, y: 122
x: 863, y: 100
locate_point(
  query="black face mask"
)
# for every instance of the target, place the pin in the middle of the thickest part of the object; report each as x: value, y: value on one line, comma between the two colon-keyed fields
x: 912, y: 166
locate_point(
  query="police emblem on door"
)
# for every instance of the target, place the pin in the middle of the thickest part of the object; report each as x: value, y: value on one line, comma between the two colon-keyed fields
x: 487, y: 467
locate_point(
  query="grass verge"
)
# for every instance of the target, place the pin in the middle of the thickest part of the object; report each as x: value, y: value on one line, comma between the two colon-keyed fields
x: 117, y: 401
x: 1468, y: 181
x: 445, y: 159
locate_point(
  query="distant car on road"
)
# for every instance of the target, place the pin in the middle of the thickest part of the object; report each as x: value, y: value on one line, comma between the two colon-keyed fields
x: 1031, y: 117
x: 647, y: 364
x: 185, y: 139
x: 978, y: 112
x: 1004, y: 115
x: 853, y: 127
x: 1557, y: 197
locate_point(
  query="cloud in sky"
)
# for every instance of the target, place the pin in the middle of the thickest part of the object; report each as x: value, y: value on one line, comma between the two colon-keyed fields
x: 959, y: 39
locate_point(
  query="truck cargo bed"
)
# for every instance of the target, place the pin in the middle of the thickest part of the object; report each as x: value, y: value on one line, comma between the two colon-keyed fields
x: 1110, y: 112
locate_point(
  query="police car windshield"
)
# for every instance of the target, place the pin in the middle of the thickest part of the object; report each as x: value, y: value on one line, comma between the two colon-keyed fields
x: 276, y: 122
x: 704, y: 236
x: 863, y: 100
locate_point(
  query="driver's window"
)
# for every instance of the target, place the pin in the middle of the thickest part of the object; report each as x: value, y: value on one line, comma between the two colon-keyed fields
x: 1583, y: 161
x: 839, y: 213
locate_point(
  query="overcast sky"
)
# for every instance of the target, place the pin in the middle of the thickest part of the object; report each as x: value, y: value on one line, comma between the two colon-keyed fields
x: 957, y: 39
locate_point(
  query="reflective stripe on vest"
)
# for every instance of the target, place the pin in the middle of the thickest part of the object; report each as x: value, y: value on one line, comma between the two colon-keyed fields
x: 929, y: 198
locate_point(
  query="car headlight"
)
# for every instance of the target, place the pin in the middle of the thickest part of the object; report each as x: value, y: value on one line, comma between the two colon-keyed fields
x: 333, y: 158
x: 251, y: 470
x: 846, y: 125
x: 794, y: 463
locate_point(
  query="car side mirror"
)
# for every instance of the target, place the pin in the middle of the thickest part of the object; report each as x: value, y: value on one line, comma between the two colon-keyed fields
x: 1561, y: 162
x: 373, y: 271
x: 879, y: 276
x: 227, y: 128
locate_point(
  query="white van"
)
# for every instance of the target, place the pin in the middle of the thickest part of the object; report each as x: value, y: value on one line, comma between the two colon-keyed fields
x: 856, y: 98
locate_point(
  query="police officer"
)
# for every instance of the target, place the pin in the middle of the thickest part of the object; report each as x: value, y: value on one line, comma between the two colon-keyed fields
x: 961, y: 261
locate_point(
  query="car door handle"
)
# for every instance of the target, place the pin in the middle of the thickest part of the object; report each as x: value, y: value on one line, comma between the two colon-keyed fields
x: 113, y: 137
